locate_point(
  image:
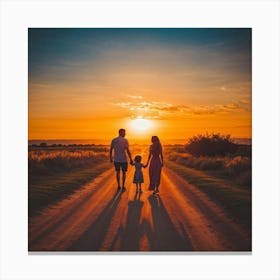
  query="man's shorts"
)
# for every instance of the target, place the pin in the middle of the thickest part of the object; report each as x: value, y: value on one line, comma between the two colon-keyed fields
x: 119, y: 165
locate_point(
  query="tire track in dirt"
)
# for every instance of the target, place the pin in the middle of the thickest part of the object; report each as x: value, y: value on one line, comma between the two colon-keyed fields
x: 99, y: 218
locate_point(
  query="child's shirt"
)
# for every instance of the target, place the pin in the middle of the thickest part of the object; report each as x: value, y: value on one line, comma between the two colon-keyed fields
x: 138, y: 167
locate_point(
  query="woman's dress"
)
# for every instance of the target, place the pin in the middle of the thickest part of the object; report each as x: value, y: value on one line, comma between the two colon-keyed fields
x: 155, y: 168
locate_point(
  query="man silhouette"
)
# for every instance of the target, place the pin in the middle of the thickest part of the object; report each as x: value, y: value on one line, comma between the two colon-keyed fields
x: 121, y: 147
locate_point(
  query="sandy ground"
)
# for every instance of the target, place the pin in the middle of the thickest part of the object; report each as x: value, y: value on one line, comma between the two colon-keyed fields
x: 99, y: 218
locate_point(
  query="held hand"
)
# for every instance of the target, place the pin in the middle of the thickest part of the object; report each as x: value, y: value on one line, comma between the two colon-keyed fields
x: 162, y: 164
x: 111, y: 160
x: 131, y: 162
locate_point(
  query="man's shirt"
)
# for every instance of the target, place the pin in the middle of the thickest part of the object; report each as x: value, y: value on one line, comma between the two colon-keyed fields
x: 119, y: 144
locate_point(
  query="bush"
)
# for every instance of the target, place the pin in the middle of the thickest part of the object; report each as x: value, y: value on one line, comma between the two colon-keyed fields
x: 211, y: 145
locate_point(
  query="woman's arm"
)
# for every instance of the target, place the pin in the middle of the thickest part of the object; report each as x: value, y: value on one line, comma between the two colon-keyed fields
x: 161, y: 156
x: 149, y: 157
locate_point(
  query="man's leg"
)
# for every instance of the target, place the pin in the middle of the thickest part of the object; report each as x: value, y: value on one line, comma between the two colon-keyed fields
x: 118, y: 178
x: 117, y: 168
x: 123, y: 178
x: 124, y: 169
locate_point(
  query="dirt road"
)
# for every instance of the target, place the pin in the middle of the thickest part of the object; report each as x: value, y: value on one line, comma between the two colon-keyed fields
x: 98, y: 218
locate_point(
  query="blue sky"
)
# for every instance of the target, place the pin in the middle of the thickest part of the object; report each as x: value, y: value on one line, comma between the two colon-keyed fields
x: 50, y: 48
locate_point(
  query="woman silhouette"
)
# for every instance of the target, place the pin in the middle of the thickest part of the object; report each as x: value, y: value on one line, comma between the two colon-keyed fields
x: 156, y: 163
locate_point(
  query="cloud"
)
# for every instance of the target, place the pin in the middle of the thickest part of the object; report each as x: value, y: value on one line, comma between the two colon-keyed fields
x: 152, y: 107
x: 135, y: 96
x: 161, y: 110
x: 123, y: 104
x: 240, y: 87
x: 227, y: 107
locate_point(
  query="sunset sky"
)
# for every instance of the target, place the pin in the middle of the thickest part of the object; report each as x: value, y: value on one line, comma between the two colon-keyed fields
x: 174, y: 83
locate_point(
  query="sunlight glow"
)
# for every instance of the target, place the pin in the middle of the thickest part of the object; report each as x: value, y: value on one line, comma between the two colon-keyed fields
x: 150, y: 81
x: 140, y: 124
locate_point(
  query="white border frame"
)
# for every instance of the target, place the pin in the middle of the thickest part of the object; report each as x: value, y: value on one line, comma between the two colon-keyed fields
x: 17, y: 16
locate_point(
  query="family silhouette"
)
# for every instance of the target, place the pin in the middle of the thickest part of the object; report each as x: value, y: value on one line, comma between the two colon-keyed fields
x: 120, y: 146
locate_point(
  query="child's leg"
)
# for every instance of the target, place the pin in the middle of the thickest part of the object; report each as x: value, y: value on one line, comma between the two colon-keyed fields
x: 136, y: 187
x: 140, y: 187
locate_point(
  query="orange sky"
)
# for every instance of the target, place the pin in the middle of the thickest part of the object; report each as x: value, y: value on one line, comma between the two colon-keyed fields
x: 86, y: 84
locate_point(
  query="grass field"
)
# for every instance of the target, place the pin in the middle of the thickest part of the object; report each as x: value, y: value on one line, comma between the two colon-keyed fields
x: 235, y: 200
x: 55, y: 172
x: 226, y: 180
x: 235, y: 167
x: 58, y: 170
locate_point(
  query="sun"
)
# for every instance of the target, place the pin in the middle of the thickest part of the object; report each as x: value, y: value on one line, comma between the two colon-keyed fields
x: 140, y: 124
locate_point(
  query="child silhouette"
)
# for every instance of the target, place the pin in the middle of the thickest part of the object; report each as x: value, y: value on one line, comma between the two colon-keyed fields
x: 138, y: 174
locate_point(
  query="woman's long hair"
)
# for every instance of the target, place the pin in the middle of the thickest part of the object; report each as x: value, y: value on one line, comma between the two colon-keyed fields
x: 156, y: 146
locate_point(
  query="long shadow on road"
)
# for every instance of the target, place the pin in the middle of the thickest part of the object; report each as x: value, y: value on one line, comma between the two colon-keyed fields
x: 131, y: 234
x: 128, y: 236
x: 166, y: 237
x: 162, y: 236
x: 92, y: 238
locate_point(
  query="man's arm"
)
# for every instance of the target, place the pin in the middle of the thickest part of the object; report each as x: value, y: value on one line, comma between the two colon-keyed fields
x: 129, y: 155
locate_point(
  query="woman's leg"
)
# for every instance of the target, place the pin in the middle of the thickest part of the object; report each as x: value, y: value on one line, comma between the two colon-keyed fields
x: 157, y: 175
x: 156, y: 188
x: 151, y: 175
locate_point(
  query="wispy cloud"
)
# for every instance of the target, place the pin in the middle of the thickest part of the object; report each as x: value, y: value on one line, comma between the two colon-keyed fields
x: 135, y: 96
x: 164, y: 110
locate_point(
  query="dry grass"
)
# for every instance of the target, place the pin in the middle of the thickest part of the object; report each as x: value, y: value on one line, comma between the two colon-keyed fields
x: 235, y: 200
x: 235, y: 167
x: 46, y: 161
x: 54, y: 173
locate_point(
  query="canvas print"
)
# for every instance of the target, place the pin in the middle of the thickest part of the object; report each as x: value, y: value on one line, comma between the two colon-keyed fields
x: 139, y: 139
